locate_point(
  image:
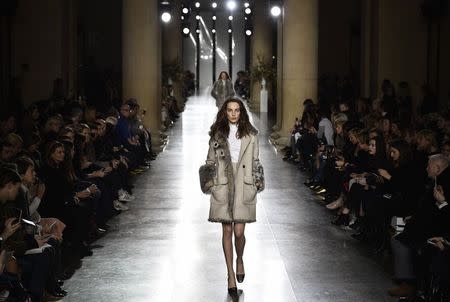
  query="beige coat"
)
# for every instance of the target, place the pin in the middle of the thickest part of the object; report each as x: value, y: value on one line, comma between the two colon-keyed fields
x: 233, y: 196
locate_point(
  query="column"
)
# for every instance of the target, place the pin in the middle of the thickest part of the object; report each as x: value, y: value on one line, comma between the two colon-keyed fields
x: 261, y: 46
x: 141, y: 63
x: 172, y: 49
x: 299, y: 63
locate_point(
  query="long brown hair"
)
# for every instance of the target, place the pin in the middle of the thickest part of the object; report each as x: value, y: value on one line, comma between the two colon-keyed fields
x: 222, y: 126
x: 226, y: 73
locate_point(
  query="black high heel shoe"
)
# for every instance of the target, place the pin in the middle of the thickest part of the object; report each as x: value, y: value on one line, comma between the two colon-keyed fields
x: 240, y: 277
x: 232, y: 291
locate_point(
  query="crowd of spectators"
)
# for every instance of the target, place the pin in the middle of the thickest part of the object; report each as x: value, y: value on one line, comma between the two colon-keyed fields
x: 65, y: 170
x: 382, y: 167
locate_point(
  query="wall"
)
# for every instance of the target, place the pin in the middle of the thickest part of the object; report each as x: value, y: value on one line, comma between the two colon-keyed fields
x: 337, y: 49
x: 402, y: 40
x: 37, y: 46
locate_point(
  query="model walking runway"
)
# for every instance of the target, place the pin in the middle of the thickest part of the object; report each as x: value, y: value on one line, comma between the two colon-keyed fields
x: 164, y: 249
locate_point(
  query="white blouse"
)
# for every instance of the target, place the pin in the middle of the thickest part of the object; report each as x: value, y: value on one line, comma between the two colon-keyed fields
x: 234, y: 143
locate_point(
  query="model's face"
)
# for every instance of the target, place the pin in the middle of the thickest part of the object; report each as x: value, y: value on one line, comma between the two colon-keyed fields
x: 372, y: 147
x: 58, y: 155
x: 233, y: 112
x: 394, y: 153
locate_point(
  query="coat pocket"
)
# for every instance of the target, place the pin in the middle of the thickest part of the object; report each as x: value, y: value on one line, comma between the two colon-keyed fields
x: 220, y: 190
x: 249, y: 190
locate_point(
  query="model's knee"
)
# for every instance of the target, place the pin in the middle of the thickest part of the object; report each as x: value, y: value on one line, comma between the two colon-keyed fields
x: 227, y: 230
x: 238, y: 234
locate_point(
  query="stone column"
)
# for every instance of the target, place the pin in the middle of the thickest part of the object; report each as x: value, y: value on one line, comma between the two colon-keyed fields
x: 300, y: 60
x: 172, y: 49
x: 261, y: 46
x: 141, y: 63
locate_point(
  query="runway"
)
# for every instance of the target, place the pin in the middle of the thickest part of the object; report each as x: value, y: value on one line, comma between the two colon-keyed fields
x: 164, y: 249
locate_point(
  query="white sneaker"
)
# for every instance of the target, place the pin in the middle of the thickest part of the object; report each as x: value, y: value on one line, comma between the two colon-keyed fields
x: 124, y: 196
x: 120, y: 206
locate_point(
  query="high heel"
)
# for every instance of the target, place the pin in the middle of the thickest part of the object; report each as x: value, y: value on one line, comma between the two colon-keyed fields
x: 239, y: 277
x: 232, y: 291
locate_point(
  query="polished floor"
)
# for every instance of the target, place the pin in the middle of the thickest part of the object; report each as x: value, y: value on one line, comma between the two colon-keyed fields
x: 164, y: 249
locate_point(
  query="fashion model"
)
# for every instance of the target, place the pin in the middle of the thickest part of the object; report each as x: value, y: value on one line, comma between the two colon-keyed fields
x: 222, y: 89
x: 233, y: 175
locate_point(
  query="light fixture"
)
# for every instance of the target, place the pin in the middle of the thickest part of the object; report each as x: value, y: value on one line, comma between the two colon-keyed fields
x: 248, y: 32
x: 166, y: 17
x: 245, y: 18
x: 185, y: 10
x: 230, y: 31
x: 275, y: 10
x: 230, y: 18
x: 231, y: 4
x: 186, y: 31
x: 197, y: 17
x: 214, y: 5
x: 213, y: 30
x: 197, y: 4
x: 246, y: 4
x: 214, y: 18
x: 197, y: 31
x: 248, y: 11
x: 182, y: 17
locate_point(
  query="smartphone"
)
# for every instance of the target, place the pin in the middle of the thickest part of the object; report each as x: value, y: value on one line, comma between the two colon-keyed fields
x: 429, y: 241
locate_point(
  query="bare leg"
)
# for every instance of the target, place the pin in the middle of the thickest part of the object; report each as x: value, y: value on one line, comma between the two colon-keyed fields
x: 227, y: 244
x: 239, y: 242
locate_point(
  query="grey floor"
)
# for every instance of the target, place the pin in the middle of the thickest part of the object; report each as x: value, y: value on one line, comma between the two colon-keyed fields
x: 164, y: 249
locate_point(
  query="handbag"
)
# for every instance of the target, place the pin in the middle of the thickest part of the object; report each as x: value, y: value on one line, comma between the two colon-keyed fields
x: 258, y: 175
x: 207, y: 173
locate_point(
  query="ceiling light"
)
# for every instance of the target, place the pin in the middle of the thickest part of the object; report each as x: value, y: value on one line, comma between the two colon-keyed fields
x: 166, y: 17
x: 231, y: 4
x: 275, y: 11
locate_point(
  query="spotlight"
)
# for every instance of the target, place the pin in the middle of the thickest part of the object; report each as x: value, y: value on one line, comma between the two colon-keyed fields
x: 197, y: 4
x: 245, y: 18
x: 246, y: 4
x: 214, y: 5
x: 248, y: 11
x: 214, y: 18
x: 182, y: 17
x: 248, y: 32
x: 186, y: 31
x: 231, y: 4
x: 275, y: 10
x: 230, y: 31
x: 166, y: 17
x: 230, y: 18
x: 185, y: 10
x: 213, y: 30
x: 197, y: 17
x: 197, y: 31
